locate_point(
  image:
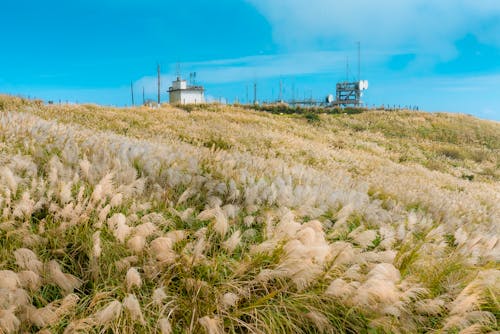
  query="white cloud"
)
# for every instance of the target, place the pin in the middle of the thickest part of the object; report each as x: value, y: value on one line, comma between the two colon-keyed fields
x: 429, y: 25
x: 247, y: 69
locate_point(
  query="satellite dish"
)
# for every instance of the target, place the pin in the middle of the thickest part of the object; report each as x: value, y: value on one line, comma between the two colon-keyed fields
x: 361, y: 85
x: 329, y: 98
x: 366, y: 84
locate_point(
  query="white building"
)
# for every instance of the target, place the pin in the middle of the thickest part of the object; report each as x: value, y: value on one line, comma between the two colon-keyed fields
x: 181, y: 93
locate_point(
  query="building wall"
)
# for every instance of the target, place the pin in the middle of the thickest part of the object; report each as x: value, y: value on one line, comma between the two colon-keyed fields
x: 179, y: 84
x: 187, y: 97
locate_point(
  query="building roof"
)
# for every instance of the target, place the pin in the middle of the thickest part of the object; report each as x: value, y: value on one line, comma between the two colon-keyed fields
x: 188, y: 88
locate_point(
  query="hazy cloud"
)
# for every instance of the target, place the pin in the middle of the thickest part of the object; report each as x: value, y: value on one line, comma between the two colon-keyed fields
x: 429, y: 26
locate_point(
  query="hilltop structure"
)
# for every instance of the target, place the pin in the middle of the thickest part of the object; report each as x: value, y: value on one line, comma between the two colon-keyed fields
x: 182, y: 93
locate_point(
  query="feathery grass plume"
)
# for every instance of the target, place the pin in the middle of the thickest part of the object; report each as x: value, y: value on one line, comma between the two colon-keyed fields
x: 145, y: 230
x: 187, y: 194
x: 96, y: 247
x: 67, y: 282
x: 26, y: 259
x: 232, y: 242
x: 102, y: 216
x: 249, y: 221
x: 162, y: 250
x: 25, y: 206
x: 133, y: 279
x: 136, y: 244
x: 67, y: 305
x: 320, y: 321
x: 103, y: 188
x: 165, y: 326
x: 365, y: 238
x: 465, y: 310
x: 9, y: 179
x: 9, y: 280
x: 14, y: 297
x: 116, y: 200
x: 474, y: 329
x: 9, y: 323
x: 221, y: 224
x: 229, y: 300
x: 158, y: 296
x: 379, y: 290
x: 85, y: 166
x: 80, y: 326
x: 155, y: 218
x: 200, y: 245
x: 122, y: 231
x: 131, y: 305
x: 126, y: 263
x: 109, y: 313
x: 212, y: 325
x: 29, y: 280
x: 185, y: 216
x: 433, y: 307
x: 341, y: 289
x: 343, y: 253
x: 41, y: 317
x: 176, y: 235
x: 206, y: 214
x: 115, y: 220
x: 65, y: 192
x: 354, y: 273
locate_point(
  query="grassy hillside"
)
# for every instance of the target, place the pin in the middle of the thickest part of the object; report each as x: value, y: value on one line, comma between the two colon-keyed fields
x: 228, y: 220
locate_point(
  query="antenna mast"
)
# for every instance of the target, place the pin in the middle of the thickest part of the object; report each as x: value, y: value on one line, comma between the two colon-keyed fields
x: 159, y: 82
x: 132, y: 92
x: 359, y: 61
x: 255, y: 93
x: 347, y: 69
x: 281, y: 91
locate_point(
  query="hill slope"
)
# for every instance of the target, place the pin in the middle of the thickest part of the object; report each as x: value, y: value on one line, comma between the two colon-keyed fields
x: 239, y: 221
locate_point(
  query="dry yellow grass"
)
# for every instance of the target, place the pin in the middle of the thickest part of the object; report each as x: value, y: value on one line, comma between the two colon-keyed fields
x: 229, y: 220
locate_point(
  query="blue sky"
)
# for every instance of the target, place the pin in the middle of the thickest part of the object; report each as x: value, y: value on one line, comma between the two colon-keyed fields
x: 440, y: 55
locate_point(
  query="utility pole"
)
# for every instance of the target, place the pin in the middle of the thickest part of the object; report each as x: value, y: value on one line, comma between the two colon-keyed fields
x: 255, y: 93
x: 132, y: 92
x: 281, y: 91
x: 159, y: 84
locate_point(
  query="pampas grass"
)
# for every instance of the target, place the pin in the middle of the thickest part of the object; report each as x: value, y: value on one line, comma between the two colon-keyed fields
x: 228, y: 220
x: 67, y: 282
x: 9, y: 323
x: 133, y: 279
x: 131, y: 305
x: 109, y: 313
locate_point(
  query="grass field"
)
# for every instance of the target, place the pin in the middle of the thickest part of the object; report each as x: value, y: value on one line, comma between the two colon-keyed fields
x: 227, y: 220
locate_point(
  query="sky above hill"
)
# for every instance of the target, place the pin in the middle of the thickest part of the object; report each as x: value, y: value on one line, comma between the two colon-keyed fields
x: 437, y: 55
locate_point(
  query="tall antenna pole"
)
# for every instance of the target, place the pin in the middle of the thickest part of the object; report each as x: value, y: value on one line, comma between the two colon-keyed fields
x: 347, y: 69
x: 143, y: 96
x: 132, y: 92
x: 159, y: 80
x: 281, y: 91
x: 255, y: 93
x: 359, y: 61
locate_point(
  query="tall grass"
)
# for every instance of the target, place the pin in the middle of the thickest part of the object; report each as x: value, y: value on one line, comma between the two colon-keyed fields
x: 227, y: 220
